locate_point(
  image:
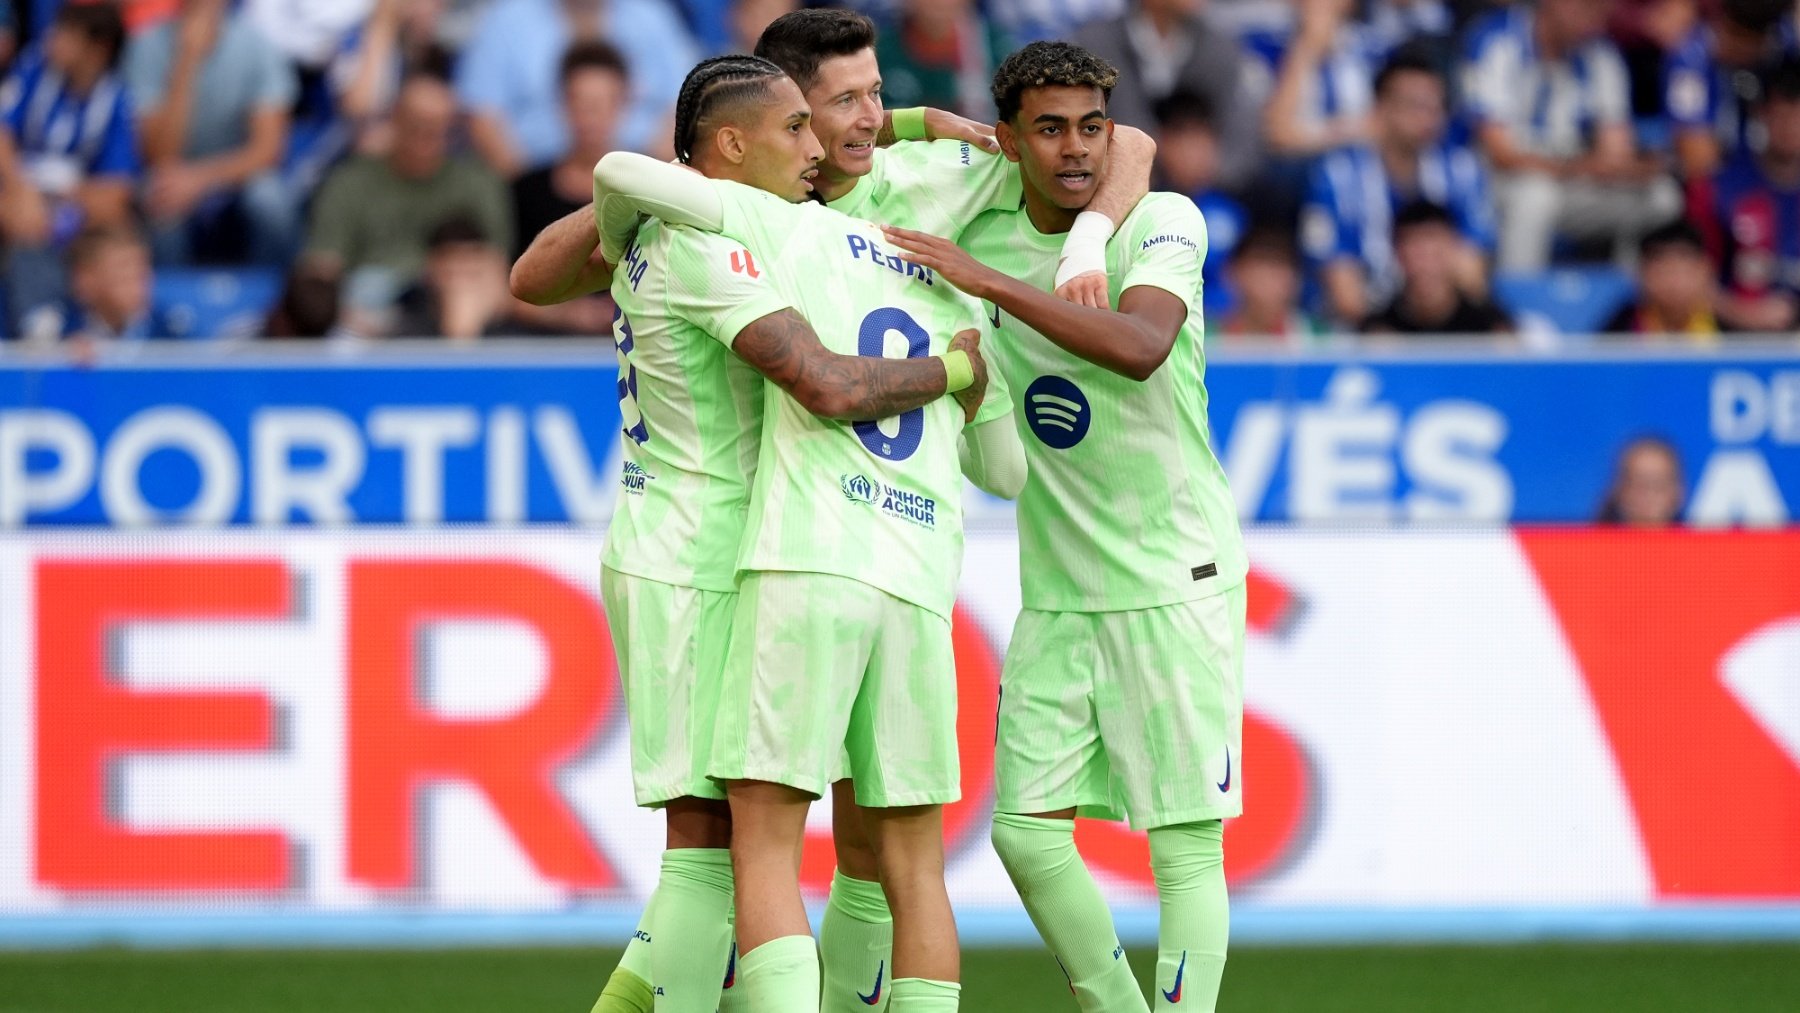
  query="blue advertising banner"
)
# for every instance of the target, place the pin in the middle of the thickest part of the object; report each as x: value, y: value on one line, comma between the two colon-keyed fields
x: 514, y: 437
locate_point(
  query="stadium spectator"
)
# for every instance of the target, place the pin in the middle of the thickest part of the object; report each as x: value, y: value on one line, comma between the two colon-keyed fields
x: 400, y: 38
x: 1711, y: 82
x: 68, y: 155
x: 464, y: 294
x: 1430, y: 300
x: 940, y: 53
x: 594, y: 87
x: 373, y: 217
x: 1264, y: 275
x: 1167, y: 46
x: 1547, y: 96
x: 308, y: 307
x: 1425, y: 27
x: 507, y: 75
x: 1647, y: 490
x: 1030, y: 20
x: 1352, y: 194
x: 1758, y: 210
x: 747, y: 19
x: 309, y: 34
x: 1321, y: 97
x: 1646, y: 32
x: 1187, y: 162
x: 1677, y: 288
x: 213, y: 98
x: 110, y: 288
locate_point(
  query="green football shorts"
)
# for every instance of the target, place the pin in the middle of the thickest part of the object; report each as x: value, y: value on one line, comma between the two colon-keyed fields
x: 670, y: 642
x: 1125, y: 715
x: 821, y: 666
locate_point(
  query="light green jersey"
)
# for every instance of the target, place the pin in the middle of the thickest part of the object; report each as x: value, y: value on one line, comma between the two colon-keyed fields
x: 877, y: 501
x: 937, y: 187
x: 691, y: 410
x: 1126, y: 506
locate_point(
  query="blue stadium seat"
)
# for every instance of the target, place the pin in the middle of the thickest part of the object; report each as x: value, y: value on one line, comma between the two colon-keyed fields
x: 216, y: 303
x: 1578, y: 300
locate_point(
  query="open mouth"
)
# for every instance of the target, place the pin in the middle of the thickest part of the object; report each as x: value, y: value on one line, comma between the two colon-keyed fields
x: 860, y: 147
x: 1074, y: 179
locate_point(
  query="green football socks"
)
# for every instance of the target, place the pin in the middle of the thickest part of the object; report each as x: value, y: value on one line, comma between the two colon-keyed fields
x: 856, y: 947
x: 922, y: 995
x: 1188, y: 862
x: 625, y: 992
x: 690, y: 930
x: 1065, y: 904
x: 781, y: 975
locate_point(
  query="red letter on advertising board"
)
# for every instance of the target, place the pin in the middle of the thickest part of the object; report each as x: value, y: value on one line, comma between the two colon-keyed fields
x: 397, y: 745
x: 1650, y: 617
x: 86, y: 721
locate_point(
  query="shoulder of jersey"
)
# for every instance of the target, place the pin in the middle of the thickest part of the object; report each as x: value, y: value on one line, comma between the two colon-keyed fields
x: 1161, y: 210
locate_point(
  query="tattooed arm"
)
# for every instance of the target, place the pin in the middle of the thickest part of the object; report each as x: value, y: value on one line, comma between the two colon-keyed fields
x: 783, y: 347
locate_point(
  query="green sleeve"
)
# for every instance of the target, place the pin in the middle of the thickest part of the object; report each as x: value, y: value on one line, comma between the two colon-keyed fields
x: 942, y: 186
x: 998, y: 401
x: 1164, y: 246
x: 717, y: 285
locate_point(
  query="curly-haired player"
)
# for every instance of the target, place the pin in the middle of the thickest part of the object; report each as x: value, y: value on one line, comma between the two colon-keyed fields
x: 1122, y: 695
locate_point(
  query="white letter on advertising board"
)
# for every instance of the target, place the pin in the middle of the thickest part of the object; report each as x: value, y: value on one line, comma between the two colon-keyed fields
x: 24, y: 492
x: 422, y: 435
x: 320, y: 493
x: 1449, y: 452
x: 506, y: 466
x: 170, y: 427
x: 1740, y: 406
x: 586, y: 497
x: 1737, y: 488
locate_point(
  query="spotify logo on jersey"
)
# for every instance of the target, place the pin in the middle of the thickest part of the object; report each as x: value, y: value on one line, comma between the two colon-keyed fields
x: 1057, y: 412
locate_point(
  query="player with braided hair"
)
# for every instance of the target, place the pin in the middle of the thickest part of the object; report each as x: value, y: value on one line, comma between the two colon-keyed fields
x: 699, y: 318
x: 841, y: 643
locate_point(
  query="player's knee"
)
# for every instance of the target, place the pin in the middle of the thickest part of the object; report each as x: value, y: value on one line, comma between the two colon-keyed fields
x: 1186, y: 854
x: 1031, y: 847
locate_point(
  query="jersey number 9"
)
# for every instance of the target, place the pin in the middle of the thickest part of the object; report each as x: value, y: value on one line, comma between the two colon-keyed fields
x: 871, y: 342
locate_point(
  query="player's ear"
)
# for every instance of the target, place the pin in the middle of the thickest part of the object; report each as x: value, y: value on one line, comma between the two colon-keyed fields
x: 1009, y: 141
x: 731, y: 142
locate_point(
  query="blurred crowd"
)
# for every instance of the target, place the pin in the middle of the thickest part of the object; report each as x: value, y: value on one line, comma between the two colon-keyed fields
x: 1518, y: 172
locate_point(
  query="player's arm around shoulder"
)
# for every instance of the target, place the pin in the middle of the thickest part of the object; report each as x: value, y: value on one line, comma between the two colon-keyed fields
x: 562, y: 263
x: 1161, y: 285
x: 784, y: 348
x: 629, y: 186
x: 1081, y: 273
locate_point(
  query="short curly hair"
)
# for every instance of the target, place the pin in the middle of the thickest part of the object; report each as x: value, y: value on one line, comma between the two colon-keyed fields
x: 1049, y: 65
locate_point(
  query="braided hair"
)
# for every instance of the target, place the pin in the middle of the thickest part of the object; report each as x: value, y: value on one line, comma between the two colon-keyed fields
x: 720, y: 81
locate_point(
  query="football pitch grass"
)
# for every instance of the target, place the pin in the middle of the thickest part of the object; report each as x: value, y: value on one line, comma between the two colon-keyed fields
x: 1523, y: 979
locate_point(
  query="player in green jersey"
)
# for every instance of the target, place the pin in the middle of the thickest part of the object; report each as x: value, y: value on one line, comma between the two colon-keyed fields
x: 1122, y: 689
x: 692, y: 417
x: 847, y: 580
x: 937, y: 187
